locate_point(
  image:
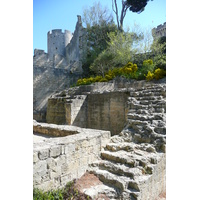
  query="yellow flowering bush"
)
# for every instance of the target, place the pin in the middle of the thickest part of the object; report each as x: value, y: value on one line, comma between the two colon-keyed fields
x: 159, y: 73
x: 149, y: 76
x: 128, y: 71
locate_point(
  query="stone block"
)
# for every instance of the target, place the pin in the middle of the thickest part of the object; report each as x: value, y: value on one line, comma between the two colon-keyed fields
x: 60, y: 160
x: 70, y: 148
x: 56, y: 172
x: 39, y: 167
x: 45, y: 177
x: 43, y: 154
x: 36, y: 179
x: 45, y: 186
x: 62, y: 149
x: 65, y: 179
x: 35, y: 157
x: 64, y: 169
x: 55, y: 151
x: 51, y: 163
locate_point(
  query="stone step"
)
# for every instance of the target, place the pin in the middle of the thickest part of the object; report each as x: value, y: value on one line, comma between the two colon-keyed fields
x: 101, y: 192
x: 118, y: 169
x: 118, y: 182
x: 146, y: 93
x: 151, y: 88
x: 152, y: 102
x: 126, y: 146
x: 147, y: 108
x: 147, y: 98
x: 137, y: 106
x: 144, y: 117
x: 129, y: 159
x: 160, y: 130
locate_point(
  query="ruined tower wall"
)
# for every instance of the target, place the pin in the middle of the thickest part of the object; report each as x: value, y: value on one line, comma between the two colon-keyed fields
x: 74, y: 48
x: 57, y: 41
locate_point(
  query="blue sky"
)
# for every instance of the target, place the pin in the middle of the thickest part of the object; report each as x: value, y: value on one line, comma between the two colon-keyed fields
x: 62, y: 14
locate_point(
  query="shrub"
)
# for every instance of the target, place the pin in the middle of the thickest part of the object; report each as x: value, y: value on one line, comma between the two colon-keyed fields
x: 149, y: 76
x: 143, y: 71
x: 148, y: 62
x: 103, y: 80
x: 97, y: 78
x: 159, y: 73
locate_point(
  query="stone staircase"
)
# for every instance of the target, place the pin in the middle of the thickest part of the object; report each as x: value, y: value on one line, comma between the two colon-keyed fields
x: 132, y: 165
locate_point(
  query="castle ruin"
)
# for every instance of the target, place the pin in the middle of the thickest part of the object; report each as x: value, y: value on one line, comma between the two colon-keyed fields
x: 59, y: 68
x: 159, y: 31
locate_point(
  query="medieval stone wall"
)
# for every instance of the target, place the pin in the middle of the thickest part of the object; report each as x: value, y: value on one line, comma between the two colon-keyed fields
x: 55, y: 71
x: 46, y: 82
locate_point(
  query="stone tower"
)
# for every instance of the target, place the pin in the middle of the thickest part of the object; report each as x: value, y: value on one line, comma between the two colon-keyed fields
x: 159, y: 31
x: 57, y: 41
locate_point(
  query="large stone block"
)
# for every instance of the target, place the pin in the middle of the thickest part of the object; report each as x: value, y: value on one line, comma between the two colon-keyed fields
x: 55, y: 151
x: 43, y: 154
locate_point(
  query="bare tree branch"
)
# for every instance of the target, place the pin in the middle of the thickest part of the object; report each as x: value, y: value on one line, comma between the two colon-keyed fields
x: 116, y: 11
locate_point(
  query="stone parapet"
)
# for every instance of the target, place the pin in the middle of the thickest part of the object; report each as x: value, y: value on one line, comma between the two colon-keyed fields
x: 58, y: 160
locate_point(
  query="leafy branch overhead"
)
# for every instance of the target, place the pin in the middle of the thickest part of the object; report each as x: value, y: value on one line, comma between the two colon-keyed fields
x: 137, y: 6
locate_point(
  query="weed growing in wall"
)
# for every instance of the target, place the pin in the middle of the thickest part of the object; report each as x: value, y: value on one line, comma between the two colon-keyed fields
x: 68, y: 192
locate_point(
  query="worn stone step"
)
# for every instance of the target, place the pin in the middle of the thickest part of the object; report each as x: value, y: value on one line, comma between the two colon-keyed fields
x: 96, y: 192
x: 118, y: 182
x: 118, y: 169
x: 146, y: 93
x: 152, y: 102
x: 140, y: 117
x: 127, y: 158
x: 151, y: 88
x: 126, y: 146
x: 144, y: 117
x: 147, y: 98
x: 137, y: 106
x: 160, y: 130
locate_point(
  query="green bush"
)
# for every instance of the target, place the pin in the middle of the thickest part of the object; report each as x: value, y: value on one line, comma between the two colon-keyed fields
x: 147, y: 62
x: 68, y: 192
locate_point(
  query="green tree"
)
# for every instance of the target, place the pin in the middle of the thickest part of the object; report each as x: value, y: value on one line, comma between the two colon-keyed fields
x: 133, y: 5
x: 158, y: 50
x: 118, y: 53
x: 98, y: 22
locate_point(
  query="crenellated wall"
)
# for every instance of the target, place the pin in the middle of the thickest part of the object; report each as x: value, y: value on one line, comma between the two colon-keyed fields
x: 57, y: 41
x: 159, y: 31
